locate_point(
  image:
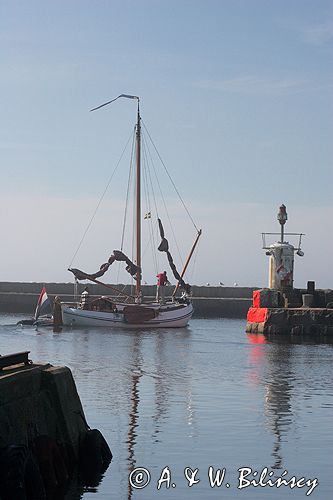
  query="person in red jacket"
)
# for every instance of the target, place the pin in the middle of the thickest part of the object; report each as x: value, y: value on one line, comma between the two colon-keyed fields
x: 162, y: 280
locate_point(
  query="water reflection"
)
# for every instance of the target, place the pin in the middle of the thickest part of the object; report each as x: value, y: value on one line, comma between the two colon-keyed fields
x: 161, y: 386
x: 208, y: 395
x: 274, y: 369
x: 279, y: 388
x: 134, y: 410
x: 159, y: 368
x: 283, y: 366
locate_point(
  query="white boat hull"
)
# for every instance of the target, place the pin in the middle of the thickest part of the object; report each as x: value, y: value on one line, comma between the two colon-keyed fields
x: 168, y: 316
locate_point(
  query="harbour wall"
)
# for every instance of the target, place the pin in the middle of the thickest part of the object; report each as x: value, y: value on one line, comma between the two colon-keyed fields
x: 40, y: 399
x: 208, y: 301
x: 45, y: 441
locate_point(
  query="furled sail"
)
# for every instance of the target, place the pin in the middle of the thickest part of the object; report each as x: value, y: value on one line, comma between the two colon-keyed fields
x: 131, y: 268
x: 164, y: 247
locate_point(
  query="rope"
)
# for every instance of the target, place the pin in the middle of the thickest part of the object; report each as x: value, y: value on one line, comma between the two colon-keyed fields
x: 127, y: 194
x: 151, y: 243
x: 146, y: 178
x: 145, y: 149
x: 171, y: 180
x: 194, y: 265
x: 127, y: 197
x: 165, y: 206
x: 99, y: 203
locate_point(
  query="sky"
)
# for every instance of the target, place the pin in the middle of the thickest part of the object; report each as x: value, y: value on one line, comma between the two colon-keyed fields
x: 237, y: 95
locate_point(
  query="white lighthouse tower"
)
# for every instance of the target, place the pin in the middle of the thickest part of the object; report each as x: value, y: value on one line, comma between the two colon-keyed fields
x: 281, y: 256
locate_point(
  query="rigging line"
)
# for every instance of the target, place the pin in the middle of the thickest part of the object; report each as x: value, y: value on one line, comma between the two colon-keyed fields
x: 145, y: 176
x: 145, y: 149
x: 151, y: 241
x: 147, y: 244
x: 100, y: 201
x: 130, y: 174
x: 124, y: 288
x: 133, y: 243
x: 165, y: 206
x: 150, y: 183
x: 171, y: 180
x: 149, y: 178
x: 196, y: 253
x: 146, y: 185
x: 127, y: 192
x: 133, y: 283
x: 118, y: 271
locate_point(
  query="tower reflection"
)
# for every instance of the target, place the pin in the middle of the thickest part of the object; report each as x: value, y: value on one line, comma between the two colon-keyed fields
x: 273, y: 368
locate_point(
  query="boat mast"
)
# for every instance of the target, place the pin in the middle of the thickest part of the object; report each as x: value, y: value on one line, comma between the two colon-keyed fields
x: 138, y: 202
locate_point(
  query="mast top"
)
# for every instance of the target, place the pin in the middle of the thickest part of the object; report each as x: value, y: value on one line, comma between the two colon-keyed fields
x: 127, y: 96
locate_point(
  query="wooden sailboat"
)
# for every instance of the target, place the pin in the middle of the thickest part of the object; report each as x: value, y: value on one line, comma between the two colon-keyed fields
x: 133, y: 311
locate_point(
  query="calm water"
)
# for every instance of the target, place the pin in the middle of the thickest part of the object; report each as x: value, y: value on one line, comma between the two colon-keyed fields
x: 207, y: 395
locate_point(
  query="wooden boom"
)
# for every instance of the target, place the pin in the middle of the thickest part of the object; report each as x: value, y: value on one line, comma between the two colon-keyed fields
x: 188, y: 260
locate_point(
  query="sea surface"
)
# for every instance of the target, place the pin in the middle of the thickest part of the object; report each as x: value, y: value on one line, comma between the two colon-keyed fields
x: 178, y: 407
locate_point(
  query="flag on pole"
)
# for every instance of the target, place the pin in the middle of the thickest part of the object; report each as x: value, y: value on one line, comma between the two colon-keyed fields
x: 43, y: 304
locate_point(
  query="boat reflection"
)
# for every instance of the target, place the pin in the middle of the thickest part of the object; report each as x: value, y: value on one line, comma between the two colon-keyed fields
x: 164, y: 371
x: 134, y: 409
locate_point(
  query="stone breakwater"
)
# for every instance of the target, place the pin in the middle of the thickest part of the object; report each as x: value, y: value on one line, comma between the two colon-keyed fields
x: 45, y: 441
x: 209, y: 301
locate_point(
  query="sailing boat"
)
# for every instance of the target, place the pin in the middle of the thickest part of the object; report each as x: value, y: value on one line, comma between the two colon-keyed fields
x: 133, y: 311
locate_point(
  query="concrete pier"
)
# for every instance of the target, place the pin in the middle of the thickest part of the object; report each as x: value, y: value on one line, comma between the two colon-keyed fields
x: 208, y: 301
x: 314, y: 322
x: 295, y: 312
x: 40, y: 399
x: 45, y: 440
